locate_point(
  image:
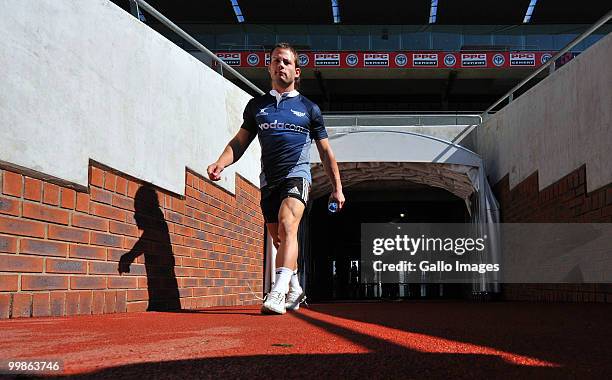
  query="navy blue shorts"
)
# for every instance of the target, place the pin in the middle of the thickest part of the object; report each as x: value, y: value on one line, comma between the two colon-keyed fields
x: 273, y: 196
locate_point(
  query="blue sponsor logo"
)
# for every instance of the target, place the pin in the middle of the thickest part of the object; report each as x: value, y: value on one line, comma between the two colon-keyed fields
x: 545, y: 58
x: 253, y: 59
x: 352, y: 59
x: 450, y: 60
x: 304, y: 60
x: 499, y: 60
x: 401, y: 59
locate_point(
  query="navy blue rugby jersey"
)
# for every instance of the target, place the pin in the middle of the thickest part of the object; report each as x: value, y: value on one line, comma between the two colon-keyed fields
x: 285, y: 126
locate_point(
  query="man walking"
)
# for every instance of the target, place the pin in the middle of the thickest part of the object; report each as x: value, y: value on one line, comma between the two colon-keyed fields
x: 286, y: 123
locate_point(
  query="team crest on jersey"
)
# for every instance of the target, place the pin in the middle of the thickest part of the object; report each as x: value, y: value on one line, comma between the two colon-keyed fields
x: 298, y: 114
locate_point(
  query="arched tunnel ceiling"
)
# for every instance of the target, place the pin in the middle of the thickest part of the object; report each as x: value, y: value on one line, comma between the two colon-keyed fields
x: 379, y: 156
x: 396, y: 146
x: 450, y: 177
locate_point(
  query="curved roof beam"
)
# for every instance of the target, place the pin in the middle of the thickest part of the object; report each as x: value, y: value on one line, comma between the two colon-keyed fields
x: 396, y: 146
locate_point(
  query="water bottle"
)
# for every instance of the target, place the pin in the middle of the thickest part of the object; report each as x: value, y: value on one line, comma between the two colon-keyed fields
x: 332, y: 207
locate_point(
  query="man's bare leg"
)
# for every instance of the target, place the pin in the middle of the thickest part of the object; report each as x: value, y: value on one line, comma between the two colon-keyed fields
x: 273, y: 231
x: 289, y: 216
x: 296, y: 294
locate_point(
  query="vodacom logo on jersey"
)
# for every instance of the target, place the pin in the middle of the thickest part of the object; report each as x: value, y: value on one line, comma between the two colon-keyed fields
x: 281, y: 125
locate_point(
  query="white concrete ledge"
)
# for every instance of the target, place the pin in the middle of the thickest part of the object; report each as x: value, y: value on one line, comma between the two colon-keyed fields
x: 86, y: 80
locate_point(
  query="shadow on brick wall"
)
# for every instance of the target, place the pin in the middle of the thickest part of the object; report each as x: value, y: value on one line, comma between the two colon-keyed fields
x: 155, y: 245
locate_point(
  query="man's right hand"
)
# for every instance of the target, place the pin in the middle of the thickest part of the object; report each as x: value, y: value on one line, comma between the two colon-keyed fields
x: 214, y: 171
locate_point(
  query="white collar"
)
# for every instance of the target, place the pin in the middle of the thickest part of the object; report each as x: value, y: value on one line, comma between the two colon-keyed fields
x: 278, y: 96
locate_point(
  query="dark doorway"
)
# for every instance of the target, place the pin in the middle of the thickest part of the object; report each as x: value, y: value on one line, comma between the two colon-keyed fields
x: 332, y: 245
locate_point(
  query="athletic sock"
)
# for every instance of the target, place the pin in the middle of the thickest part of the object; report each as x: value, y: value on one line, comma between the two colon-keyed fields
x: 294, y: 284
x: 283, y: 276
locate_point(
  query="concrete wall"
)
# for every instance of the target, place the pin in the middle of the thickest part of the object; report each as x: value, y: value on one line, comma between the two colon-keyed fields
x: 86, y: 80
x: 547, y: 155
x: 557, y: 126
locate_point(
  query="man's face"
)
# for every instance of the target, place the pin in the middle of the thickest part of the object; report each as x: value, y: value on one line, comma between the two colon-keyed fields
x: 282, y: 67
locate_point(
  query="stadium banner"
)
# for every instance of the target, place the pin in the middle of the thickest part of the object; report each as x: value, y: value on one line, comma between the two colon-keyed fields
x: 397, y: 60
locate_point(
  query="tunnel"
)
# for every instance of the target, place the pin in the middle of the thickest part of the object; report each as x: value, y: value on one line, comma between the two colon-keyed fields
x: 388, y: 177
x: 332, y: 250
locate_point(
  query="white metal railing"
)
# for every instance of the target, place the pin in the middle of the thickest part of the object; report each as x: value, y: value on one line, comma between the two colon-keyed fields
x: 399, y: 120
x: 551, y: 62
x: 172, y: 26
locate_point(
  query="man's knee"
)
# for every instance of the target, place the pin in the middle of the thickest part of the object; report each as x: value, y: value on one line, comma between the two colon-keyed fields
x: 287, y: 227
x: 289, y: 217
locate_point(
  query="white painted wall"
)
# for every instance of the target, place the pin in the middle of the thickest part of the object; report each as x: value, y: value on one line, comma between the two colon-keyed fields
x: 558, y: 125
x: 86, y: 80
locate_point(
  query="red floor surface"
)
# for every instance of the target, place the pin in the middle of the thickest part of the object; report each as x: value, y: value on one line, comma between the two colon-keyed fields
x: 358, y: 340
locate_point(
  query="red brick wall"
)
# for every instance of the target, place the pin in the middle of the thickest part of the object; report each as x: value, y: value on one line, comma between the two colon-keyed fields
x: 565, y: 201
x: 60, y: 249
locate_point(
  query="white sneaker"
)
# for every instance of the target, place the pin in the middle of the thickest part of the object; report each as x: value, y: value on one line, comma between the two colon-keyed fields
x: 274, y: 303
x: 294, y: 299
